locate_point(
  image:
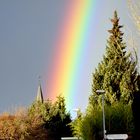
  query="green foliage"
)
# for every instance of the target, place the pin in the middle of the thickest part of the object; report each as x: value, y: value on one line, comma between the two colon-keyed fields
x: 58, y: 124
x: 37, y: 113
x: 117, y: 72
x: 118, y: 118
x: 76, y: 125
x: 88, y: 126
x: 52, y: 117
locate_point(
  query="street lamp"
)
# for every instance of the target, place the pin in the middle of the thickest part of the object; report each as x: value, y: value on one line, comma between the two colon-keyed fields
x: 102, y: 92
x: 77, y: 110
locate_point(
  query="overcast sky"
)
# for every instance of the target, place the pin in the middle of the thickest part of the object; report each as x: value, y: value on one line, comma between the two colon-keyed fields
x: 28, y: 29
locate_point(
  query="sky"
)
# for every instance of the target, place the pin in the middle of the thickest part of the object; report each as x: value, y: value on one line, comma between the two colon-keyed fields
x: 29, y: 31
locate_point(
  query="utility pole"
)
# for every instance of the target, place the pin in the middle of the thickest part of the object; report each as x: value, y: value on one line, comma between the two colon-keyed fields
x: 103, y: 92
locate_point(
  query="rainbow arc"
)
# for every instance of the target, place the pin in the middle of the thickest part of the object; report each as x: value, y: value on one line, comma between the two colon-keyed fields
x: 71, y: 44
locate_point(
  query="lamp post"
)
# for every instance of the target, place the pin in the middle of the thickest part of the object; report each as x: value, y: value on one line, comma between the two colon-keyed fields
x: 104, y: 131
x: 77, y: 110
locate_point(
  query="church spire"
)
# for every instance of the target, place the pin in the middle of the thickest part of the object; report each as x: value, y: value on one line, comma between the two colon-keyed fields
x: 39, y: 93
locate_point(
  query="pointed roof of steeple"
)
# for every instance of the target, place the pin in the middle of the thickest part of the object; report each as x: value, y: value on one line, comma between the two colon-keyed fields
x: 39, y: 93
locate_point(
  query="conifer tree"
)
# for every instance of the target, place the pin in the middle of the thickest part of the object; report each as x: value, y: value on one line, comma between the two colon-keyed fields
x: 117, y: 72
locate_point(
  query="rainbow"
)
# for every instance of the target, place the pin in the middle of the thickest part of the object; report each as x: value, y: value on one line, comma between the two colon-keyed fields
x: 70, y: 45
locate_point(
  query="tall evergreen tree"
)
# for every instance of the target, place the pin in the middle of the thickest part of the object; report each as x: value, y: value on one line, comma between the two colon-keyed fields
x: 117, y: 72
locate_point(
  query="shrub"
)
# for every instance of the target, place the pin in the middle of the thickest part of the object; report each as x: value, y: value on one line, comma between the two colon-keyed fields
x: 118, y: 119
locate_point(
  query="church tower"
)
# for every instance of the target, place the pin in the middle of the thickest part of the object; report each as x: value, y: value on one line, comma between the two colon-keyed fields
x: 39, y: 94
